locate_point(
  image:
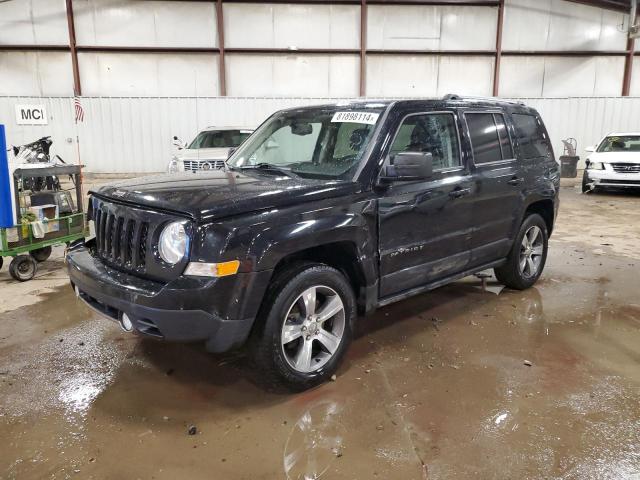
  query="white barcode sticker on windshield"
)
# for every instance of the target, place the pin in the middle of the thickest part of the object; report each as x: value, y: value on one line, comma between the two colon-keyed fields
x: 356, y: 117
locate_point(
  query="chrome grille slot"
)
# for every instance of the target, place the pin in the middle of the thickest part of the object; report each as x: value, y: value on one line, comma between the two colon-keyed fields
x: 626, y: 167
x: 197, y: 165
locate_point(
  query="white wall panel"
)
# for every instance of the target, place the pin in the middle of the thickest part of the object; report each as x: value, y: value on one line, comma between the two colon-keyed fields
x: 263, y: 25
x: 121, y: 135
x: 31, y: 22
x: 465, y: 75
x: 402, y: 75
x: 149, y: 74
x: 287, y: 75
x: 561, y: 25
x: 428, y: 75
x: 148, y: 23
x: 413, y: 27
x: 561, y: 76
x: 35, y: 73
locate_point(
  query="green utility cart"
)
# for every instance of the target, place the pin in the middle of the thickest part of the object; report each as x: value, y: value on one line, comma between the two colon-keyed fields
x: 30, y: 241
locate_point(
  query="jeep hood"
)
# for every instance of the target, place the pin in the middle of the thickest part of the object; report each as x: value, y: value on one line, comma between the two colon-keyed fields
x: 215, y: 194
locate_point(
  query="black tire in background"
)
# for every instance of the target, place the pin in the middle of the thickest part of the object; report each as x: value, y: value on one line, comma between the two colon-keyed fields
x: 268, y: 348
x: 512, y: 274
x: 1, y: 262
x: 41, y: 254
x: 585, y: 184
x: 22, y: 268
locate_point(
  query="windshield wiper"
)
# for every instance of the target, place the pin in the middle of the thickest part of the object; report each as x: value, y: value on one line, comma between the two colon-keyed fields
x: 269, y: 167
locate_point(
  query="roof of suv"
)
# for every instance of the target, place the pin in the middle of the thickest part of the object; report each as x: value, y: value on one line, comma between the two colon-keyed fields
x: 450, y: 99
x: 208, y: 129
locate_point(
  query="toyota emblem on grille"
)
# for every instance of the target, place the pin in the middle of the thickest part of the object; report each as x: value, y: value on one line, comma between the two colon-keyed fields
x: 206, y: 166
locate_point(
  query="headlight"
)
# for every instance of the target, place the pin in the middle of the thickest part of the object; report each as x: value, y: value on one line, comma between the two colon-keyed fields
x: 173, y: 243
x: 173, y: 166
x: 596, y: 166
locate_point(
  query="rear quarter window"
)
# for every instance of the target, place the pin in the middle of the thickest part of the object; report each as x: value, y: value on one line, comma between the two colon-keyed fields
x: 531, y: 135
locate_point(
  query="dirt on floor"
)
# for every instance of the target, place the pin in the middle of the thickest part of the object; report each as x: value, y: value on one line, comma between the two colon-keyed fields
x: 462, y: 382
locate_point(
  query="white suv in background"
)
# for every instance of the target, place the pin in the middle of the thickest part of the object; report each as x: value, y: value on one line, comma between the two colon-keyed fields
x: 209, y: 150
x: 613, y: 163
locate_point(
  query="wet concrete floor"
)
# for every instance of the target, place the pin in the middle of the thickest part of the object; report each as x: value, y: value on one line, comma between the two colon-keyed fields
x: 457, y: 383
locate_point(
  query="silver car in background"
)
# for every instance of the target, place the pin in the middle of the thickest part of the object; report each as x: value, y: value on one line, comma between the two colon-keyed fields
x: 613, y: 163
x: 209, y: 150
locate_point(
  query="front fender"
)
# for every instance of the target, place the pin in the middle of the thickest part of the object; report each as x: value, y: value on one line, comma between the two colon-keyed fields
x: 354, y: 224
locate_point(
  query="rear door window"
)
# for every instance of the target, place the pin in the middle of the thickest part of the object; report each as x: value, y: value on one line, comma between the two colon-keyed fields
x: 489, y: 137
x: 531, y: 135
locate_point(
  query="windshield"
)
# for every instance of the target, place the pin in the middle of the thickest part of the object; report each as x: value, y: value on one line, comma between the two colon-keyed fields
x: 320, y: 142
x: 219, y: 139
x: 626, y: 143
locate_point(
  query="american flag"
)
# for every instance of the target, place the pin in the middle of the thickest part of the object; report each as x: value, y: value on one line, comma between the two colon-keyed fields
x: 79, y: 110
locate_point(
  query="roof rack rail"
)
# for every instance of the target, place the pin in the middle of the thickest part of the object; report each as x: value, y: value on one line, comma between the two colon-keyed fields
x: 455, y: 96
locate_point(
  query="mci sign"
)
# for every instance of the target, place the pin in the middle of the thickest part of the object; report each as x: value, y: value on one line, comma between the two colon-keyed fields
x: 31, y: 115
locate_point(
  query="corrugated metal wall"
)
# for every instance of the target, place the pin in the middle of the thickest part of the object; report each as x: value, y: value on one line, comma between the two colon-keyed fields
x: 124, y: 135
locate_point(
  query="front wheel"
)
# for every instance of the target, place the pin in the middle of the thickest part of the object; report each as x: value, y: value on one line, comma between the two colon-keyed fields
x: 528, y: 255
x: 586, y: 188
x: 307, y: 327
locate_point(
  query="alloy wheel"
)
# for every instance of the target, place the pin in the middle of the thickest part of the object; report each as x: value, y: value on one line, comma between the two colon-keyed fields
x: 313, y: 328
x: 531, y: 251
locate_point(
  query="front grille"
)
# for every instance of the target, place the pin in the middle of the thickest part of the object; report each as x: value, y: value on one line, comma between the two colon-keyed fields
x: 626, y: 167
x: 120, y: 240
x: 126, y: 237
x: 196, y: 165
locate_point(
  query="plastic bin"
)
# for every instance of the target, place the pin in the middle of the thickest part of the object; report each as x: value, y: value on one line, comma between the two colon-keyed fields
x: 569, y: 166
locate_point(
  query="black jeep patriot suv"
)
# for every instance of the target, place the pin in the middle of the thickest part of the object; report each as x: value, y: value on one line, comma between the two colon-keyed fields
x: 322, y: 213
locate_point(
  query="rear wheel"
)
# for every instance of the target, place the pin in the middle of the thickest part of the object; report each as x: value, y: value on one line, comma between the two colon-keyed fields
x: 528, y: 255
x: 41, y: 254
x: 22, y: 268
x: 307, y: 328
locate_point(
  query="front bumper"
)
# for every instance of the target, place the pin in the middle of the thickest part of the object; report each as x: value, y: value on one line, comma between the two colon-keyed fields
x: 610, y: 178
x: 219, y: 311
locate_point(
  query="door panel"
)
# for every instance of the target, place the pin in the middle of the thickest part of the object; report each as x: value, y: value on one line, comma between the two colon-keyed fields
x: 424, y: 226
x: 424, y: 232
x: 499, y: 180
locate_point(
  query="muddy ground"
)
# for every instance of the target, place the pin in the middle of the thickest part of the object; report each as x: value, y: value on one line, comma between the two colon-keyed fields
x: 458, y: 383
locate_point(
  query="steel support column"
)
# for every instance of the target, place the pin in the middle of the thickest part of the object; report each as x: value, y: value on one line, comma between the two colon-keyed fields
x: 77, y: 88
x: 628, y: 67
x: 222, y: 71
x: 363, y: 48
x: 498, y: 59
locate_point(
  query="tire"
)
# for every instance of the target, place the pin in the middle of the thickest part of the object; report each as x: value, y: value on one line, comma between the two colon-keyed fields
x: 293, y: 346
x: 41, y: 254
x: 585, y: 184
x: 22, y: 268
x: 526, y: 260
x: 1, y: 262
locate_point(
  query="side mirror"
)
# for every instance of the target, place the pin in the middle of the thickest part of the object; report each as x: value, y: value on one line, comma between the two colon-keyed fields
x: 590, y: 149
x: 408, y: 166
x: 177, y: 142
x: 231, y: 152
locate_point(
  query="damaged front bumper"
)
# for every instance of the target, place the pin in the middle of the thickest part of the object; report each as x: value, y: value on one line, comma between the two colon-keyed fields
x: 219, y: 311
x: 610, y: 178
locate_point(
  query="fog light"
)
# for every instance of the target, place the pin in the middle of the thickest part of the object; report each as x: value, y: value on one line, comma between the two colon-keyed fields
x: 125, y: 323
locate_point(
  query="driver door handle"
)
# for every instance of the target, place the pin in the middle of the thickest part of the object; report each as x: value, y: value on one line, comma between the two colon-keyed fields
x: 515, y: 181
x: 459, y: 192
